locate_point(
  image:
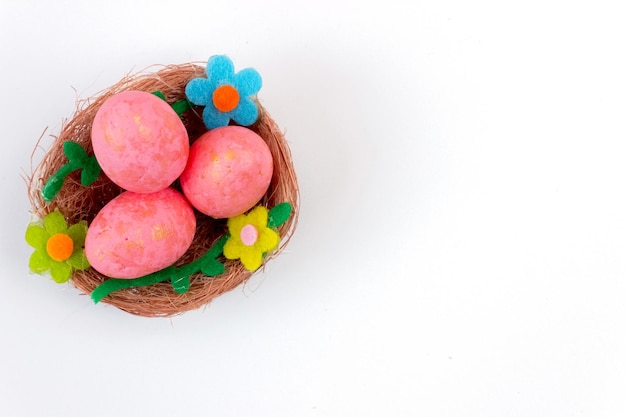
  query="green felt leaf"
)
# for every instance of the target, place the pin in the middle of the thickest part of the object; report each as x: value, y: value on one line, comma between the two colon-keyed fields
x: 279, y: 215
x: 74, y: 152
x: 78, y: 260
x: 91, y: 171
x: 55, y: 222
x: 159, y: 95
x: 78, y: 159
x: 181, y: 284
x: 37, y: 236
x: 61, y: 272
x: 212, y: 268
x: 39, y: 262
x: 181, y: 106
x: 217, y: 248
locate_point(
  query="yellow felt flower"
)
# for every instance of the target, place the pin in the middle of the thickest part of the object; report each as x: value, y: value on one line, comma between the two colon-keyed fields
x: 250, y: 238
x: 58, y: 248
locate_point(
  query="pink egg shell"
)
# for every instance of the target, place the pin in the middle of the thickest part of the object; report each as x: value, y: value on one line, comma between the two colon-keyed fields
x: 136, y: 234
x: 139, y: 141
x: 229, y: 170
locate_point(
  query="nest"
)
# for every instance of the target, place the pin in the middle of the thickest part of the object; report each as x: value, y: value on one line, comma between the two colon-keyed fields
x: 77, y: 202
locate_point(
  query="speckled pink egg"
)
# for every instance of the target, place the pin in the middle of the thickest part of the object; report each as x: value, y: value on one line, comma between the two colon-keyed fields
x: 229, y: 170
x: 139, y: 141
x: 136, y: 234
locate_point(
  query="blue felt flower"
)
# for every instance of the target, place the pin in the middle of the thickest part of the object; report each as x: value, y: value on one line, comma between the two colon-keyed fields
x: 224, y: 94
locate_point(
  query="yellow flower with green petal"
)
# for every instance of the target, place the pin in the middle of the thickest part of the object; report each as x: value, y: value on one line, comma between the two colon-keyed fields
x: 58, y: 248
x: 250, y: 238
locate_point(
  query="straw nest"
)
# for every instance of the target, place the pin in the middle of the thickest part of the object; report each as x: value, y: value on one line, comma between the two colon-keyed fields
x: 77, y: 202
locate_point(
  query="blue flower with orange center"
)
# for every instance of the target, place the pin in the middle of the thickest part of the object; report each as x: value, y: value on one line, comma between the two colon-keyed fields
x: 225, y: 94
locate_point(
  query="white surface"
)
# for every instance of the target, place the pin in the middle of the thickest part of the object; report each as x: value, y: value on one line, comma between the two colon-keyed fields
x: 462, y: 243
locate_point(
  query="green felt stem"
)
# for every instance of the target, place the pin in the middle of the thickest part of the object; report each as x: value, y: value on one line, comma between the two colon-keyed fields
x: 55, y: 182
x: 77, y: 160
x: 179, y: 276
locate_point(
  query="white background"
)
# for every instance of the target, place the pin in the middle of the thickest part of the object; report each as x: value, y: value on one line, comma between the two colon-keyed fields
x: 462, y: 241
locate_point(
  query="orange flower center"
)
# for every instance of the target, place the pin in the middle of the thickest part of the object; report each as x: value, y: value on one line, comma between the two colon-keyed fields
x: 225, y: 98
x: 60, y: 247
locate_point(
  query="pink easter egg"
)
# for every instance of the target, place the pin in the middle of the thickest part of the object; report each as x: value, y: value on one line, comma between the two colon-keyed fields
x: 228, y: 171
x: 139, y: 141
x: 136, y: 234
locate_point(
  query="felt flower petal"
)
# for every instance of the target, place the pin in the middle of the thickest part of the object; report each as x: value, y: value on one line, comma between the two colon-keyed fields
x: 232, y: 247
x: 54, y: 222
x: 235, y: 249
x: 258, y: 216
x: 235, y: 224
x: 78, y: 260
x: 268, y: 240
x: 37, y: 236
x: 246, y: 113
x: 220, y: 67
x: 198, y: 91
x: 60, y: 272
x: 248, y: 82
x: 213, y: 118
x: 78, y: 233
x: 39, y: 262
x: 252, y: 260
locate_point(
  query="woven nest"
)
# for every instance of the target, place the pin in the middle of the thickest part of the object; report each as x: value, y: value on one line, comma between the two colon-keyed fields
x: 77, y: 202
